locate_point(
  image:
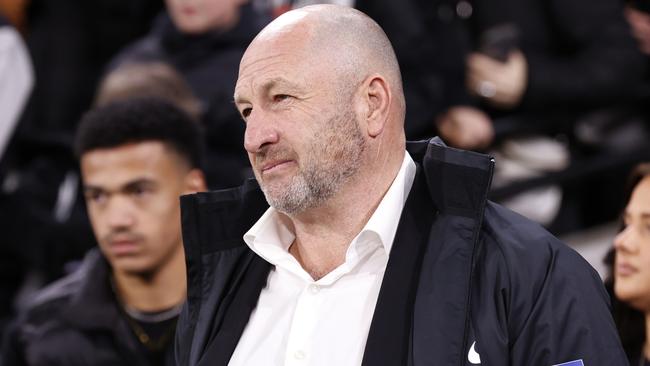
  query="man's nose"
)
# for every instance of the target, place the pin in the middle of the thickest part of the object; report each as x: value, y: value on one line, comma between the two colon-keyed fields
x: 260, y: 132
x: 120, y: 213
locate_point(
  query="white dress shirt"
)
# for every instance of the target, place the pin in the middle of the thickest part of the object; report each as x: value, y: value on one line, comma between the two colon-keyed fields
x: 299, y: 321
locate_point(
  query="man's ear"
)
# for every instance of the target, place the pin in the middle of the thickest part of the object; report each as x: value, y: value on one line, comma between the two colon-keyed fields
x: 378, y: 97
x: 195, y: 182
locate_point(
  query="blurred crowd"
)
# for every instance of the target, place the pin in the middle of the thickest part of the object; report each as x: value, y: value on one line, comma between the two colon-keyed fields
x: 558, y: 92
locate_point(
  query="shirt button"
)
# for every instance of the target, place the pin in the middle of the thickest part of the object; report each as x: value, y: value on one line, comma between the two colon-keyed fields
x: 299, y: 355
x: 314, y: 289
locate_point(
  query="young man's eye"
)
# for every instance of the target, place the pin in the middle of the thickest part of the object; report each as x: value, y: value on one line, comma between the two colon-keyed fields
x: 95, y: 196
x: 139, y: 191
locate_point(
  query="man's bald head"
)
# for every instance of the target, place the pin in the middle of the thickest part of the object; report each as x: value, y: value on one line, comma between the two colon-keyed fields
x: 320, y: 91
x: 343, y: 38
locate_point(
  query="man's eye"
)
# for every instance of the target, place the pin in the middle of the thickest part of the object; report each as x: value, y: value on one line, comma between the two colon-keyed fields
x: 280, y: 97
x: 95, y: 196
x: 139, y: 192
x: 246, y: 112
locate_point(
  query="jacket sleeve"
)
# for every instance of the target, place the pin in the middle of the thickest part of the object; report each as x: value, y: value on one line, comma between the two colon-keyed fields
x: 537, y: 302
x: 594, y: 58
x: 559, y: 312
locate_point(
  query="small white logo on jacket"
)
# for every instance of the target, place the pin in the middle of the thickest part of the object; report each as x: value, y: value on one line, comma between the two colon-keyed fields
x: 473, y: 357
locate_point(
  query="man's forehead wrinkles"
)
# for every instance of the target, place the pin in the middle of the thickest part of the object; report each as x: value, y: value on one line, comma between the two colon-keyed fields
x: 259, y: 74
x: 260, y: 63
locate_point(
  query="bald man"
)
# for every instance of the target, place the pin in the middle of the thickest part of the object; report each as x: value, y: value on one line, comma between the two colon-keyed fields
x: 372, y: 252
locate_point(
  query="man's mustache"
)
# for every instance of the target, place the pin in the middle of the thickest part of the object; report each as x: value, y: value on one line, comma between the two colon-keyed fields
x: 122, y: 235
x: 274, y: 155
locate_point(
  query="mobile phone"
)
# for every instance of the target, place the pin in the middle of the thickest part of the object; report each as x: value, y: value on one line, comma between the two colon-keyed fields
x: 498, y: 41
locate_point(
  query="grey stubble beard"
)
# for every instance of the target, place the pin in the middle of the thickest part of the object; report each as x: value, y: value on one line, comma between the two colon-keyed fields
x: 334, y: 157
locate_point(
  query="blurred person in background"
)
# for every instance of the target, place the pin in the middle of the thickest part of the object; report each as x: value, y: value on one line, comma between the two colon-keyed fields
x: 204, y: 40
x: 120, y: 307
x: 148, y: 79
x: 547, y: 63
x: 549, y: 85
x: 70, y: 43
x: 629, y: 270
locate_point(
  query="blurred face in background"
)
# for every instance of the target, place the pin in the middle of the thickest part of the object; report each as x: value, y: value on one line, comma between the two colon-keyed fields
x: 132, y: 195
x: 201, y: 16
x: 632, y: 245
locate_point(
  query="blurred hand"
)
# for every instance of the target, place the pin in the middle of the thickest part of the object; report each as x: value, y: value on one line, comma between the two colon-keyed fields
x: 640, y: 23
x: 466, y: 128
x: 501, y: 84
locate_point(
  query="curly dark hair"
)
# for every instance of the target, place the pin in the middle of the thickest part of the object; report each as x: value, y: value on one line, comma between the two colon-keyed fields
x: 139, y: 120
x: 630, y: 322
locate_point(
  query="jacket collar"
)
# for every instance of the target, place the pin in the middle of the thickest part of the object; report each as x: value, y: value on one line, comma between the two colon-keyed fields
x: 458, y: 183
x: 93, y: 307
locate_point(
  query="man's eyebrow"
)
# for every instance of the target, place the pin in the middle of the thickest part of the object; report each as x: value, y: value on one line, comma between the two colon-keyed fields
x: 138, y: 183
x: 92, y: 188
x: 268, y: 85
x: 645, y: 215
x: 239, y: 99
x: 282, y: 83
x: 124, y: 187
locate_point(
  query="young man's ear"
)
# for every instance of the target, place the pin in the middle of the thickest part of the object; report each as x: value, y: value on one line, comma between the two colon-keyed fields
x: 378, y: 98
x: 195, y: 182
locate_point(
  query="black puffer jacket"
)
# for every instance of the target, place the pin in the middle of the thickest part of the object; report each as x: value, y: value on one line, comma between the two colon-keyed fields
x: 76, y: 322
x: 465, y: 279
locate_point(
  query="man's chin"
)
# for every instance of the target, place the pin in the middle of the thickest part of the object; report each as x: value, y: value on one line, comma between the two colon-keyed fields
x: 132, y: 266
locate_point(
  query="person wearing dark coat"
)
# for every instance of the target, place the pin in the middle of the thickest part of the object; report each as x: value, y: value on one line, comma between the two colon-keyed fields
x: 539, y: 67
x: 373, y: 251
x: 69, y: 43
x: 207, y: 58
x: 121, y: 306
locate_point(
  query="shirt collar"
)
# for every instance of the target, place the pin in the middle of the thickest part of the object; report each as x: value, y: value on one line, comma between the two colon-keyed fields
x: 386, y: 217
x: 270, y: 238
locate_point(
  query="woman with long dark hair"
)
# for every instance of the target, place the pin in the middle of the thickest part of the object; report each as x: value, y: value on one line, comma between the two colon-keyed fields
x: 629, y: 270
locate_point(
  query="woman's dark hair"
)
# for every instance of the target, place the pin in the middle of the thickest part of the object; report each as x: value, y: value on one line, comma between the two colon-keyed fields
x: 138, y: 120
x: 630, y: 322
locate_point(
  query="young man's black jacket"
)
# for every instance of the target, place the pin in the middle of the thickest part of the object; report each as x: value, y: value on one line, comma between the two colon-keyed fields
x: 76, y: 321
x: 465, y: 276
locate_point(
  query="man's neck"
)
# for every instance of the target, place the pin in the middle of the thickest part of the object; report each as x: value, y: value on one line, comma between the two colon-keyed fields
x: 156, y: 291
x: 323, y: 234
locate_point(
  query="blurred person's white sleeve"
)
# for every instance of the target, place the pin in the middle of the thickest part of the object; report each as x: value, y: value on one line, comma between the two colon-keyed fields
x: 16, y: 81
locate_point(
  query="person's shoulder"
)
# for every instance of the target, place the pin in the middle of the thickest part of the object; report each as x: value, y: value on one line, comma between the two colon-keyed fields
x: 527, y: 249
x: 148, y: 48
x: 48, y: 302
